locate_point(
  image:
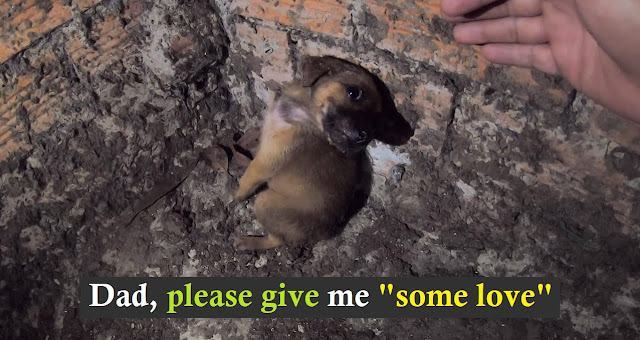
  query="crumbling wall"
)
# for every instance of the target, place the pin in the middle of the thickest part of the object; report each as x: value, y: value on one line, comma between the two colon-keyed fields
x: 510, y: 171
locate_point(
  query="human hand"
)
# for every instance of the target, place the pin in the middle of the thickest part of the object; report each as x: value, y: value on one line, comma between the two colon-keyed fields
x: 594, y: 44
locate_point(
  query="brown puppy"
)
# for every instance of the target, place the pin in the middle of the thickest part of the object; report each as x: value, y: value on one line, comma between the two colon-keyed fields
x: 312, y: 153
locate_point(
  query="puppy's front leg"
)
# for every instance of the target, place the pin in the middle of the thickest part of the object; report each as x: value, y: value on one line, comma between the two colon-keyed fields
x: 257, y: 173
x: 271, y: 155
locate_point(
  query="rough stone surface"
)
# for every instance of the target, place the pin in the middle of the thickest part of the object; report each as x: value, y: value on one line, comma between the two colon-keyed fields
x: 510, y: 172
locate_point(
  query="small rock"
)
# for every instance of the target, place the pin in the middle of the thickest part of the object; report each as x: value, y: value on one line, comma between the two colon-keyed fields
x: 468, y: 192
x: 396, y: 174
x: 33, y: 239
x: 217, y: 158
x: 634, y: 183
x: 34, y: 162
x: 261, y: 262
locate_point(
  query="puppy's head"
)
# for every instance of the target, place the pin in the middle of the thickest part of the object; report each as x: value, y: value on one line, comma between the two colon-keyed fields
x: 351, y: 105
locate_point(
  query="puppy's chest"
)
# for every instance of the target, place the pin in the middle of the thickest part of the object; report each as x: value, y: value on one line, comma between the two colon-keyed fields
x: 306, y: 148
x: 286, y: 124
x: 315, y: 161
x: 285, y: 113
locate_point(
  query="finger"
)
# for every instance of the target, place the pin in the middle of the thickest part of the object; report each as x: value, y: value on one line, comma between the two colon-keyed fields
x: 532, y: 56
x: 454, y: 8
x: 505, y: 30
x: 604, y: 22
x: 512, y: 8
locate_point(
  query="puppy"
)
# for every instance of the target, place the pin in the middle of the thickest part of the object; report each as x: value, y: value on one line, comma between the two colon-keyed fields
x: 312, y: 153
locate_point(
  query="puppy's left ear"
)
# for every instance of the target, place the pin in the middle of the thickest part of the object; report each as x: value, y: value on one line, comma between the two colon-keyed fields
x: 314, y: 68
x: 391, y: 128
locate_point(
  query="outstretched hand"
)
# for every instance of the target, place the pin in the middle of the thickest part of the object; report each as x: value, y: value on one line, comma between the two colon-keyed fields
x: 594, y: 44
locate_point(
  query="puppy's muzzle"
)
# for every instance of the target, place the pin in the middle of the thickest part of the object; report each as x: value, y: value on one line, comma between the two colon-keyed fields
x: 357, y: 137
x: 342, y: 133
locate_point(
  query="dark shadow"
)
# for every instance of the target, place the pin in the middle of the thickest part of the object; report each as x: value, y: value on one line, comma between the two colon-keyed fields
x: 482, y: 10
x: 360, y: 194
x: 393, y: 129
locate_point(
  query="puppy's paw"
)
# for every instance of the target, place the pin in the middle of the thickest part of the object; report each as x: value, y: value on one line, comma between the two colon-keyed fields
x: 256, y: 242
x: 239, y: 196
x: 244, y: 243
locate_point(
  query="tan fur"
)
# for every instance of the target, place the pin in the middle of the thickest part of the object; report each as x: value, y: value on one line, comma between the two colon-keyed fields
x: 310, y: 183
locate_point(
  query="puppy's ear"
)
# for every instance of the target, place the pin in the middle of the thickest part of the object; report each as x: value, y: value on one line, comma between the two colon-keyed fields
x: 391, y: 128
x: 314, y: 68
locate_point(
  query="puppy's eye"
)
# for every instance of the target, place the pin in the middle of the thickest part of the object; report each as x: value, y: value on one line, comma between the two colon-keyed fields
x: 354, y: 93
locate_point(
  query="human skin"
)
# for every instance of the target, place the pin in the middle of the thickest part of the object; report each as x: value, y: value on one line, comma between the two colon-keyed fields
x: 594, y: 44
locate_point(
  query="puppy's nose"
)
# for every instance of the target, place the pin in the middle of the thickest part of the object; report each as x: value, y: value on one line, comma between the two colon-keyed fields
x: 355, y: 136
x: 361, y: 138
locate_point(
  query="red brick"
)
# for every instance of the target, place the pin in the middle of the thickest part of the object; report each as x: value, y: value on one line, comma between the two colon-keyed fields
x: 271, y: 47
x: 43, y: 108
x: 22, y: 22
x: 604, y: 124
x: 410, y: 34
x: 110, y: 45
x: 328, y: 17
x: 86, y: 4
x: 23, y: 93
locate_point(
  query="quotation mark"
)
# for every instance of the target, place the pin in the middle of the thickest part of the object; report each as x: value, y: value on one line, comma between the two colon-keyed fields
x: 546, y: 287
x: 386, y: 287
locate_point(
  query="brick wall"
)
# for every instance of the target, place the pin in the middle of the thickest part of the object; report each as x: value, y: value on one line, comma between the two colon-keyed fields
x: 444, y: 88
